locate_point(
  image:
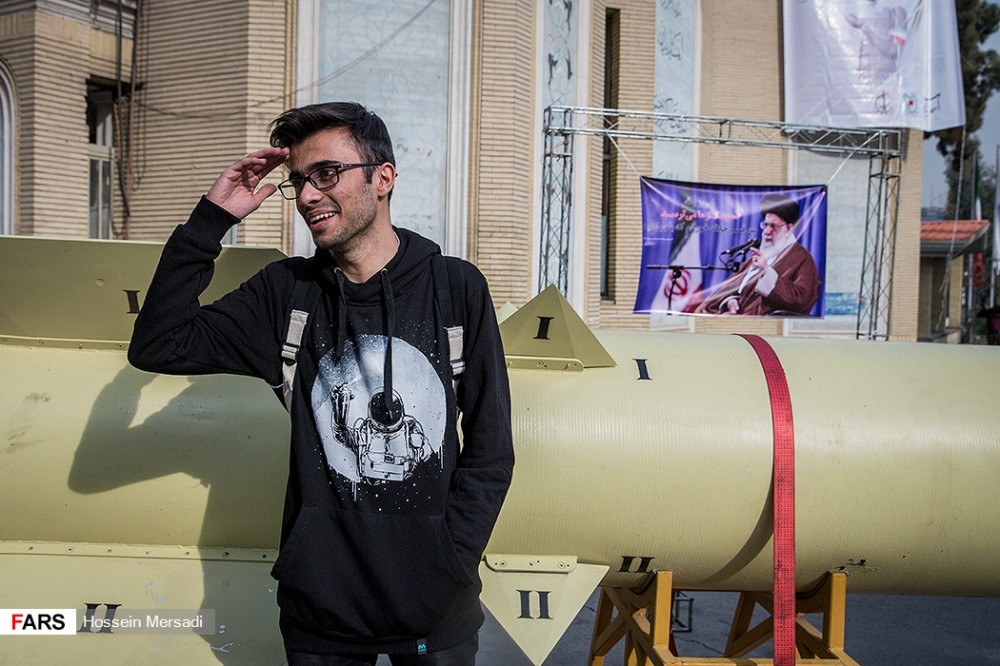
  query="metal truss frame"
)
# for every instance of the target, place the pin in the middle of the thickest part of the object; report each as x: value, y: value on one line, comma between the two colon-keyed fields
x: 882, y: 147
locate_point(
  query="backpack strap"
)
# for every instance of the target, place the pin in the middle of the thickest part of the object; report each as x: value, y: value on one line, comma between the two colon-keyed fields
x: 297, y: 320
x: 303, y: 296
x: 449, y: 291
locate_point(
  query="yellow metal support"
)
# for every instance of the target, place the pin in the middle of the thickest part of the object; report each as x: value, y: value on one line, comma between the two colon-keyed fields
x: 643, y: 618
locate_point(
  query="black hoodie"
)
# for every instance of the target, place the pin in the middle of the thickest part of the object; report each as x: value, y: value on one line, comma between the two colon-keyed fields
x: 385, y: 517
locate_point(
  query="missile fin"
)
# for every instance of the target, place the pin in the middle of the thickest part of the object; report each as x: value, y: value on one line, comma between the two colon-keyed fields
x: 506, y: 310
x: 535, y: 598
x: 548, y: 328
x: 70, y: 292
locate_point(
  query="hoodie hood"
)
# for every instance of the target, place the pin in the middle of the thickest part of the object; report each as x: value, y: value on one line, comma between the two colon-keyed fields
x: 403, y: 269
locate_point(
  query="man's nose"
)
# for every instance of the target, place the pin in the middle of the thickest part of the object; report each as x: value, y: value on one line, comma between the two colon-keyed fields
x: 309, y: 193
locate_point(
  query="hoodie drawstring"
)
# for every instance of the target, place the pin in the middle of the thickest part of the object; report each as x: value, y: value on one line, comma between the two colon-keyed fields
x: 390, y: 328
x: 341, y: 316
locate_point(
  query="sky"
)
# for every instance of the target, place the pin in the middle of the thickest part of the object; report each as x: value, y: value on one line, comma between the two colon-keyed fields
x: 935, y: 188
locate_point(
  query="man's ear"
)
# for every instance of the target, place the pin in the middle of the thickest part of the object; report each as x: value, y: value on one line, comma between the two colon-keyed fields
x: 383, y: 179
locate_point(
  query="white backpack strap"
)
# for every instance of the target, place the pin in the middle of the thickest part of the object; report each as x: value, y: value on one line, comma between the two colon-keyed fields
x: 455, y: 349
x: 289, y: 353
x: 449, y: 291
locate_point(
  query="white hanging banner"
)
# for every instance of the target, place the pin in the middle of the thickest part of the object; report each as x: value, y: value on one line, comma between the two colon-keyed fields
x: 872, y: 63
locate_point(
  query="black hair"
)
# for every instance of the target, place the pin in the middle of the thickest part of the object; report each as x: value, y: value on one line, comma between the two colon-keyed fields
x: 371, y: 137
x: 784, y: 207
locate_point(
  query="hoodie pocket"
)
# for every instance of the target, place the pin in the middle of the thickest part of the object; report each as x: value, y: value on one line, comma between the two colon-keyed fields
x: 369, y: 575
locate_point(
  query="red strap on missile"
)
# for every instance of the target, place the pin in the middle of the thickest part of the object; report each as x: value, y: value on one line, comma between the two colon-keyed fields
x: 783, y: 492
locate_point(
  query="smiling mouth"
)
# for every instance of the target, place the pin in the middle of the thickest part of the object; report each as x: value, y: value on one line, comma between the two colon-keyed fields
x: 318, y: 219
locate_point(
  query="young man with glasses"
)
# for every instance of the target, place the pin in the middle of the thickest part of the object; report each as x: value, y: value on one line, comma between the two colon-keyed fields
x: 385, y: 518
x: 779, y: 278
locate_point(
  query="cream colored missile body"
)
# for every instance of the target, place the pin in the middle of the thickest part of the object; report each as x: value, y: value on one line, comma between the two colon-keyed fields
x: 138, y: 492
x: 897, y: 461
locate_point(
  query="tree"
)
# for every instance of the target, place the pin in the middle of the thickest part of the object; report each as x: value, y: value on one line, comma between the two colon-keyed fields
x: 977, y: 20
x: 966, y: 190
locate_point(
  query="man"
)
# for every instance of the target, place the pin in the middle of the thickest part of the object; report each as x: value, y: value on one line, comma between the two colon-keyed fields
x: 385, y: 518
x: 779, y: 278
x: 883, y: 36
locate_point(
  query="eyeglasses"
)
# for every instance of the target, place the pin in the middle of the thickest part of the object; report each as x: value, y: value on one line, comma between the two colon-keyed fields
x: 773, y: 226
x: 322, y: 178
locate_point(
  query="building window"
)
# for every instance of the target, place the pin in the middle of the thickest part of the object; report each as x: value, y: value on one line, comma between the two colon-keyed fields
x: 100, y: 124
x: 608, y: 157
x: 407, y: 61
x: 6, y: 153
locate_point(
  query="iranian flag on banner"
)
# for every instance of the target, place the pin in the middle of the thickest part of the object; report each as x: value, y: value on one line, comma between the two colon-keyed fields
x: 680, y: 284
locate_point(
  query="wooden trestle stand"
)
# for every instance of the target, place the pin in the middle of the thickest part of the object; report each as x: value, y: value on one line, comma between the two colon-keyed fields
x: 643, y: 619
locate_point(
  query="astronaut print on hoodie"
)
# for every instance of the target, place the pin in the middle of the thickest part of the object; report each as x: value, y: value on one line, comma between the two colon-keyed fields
x: 365, y: 440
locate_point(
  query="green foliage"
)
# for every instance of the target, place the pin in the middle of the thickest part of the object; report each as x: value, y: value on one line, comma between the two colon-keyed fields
x: 967, y: 192
x: 977, y: 21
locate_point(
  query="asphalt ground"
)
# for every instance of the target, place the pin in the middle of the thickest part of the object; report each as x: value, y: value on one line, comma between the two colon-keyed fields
x: 882, y: 630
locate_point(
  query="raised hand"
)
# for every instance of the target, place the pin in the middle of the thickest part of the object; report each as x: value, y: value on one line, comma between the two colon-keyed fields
x: 757, y: 259
x: 239, y: 190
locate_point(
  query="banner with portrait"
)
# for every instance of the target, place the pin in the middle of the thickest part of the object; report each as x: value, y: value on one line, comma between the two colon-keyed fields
x: 732, y: 249
x: 873, y: 63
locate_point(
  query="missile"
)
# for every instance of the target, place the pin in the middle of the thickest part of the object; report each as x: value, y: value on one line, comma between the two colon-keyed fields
x: 131, y: 495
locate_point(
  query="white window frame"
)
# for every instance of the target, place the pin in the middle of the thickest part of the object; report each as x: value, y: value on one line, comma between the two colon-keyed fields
x: 7, y: 180
x: 102, y: 152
